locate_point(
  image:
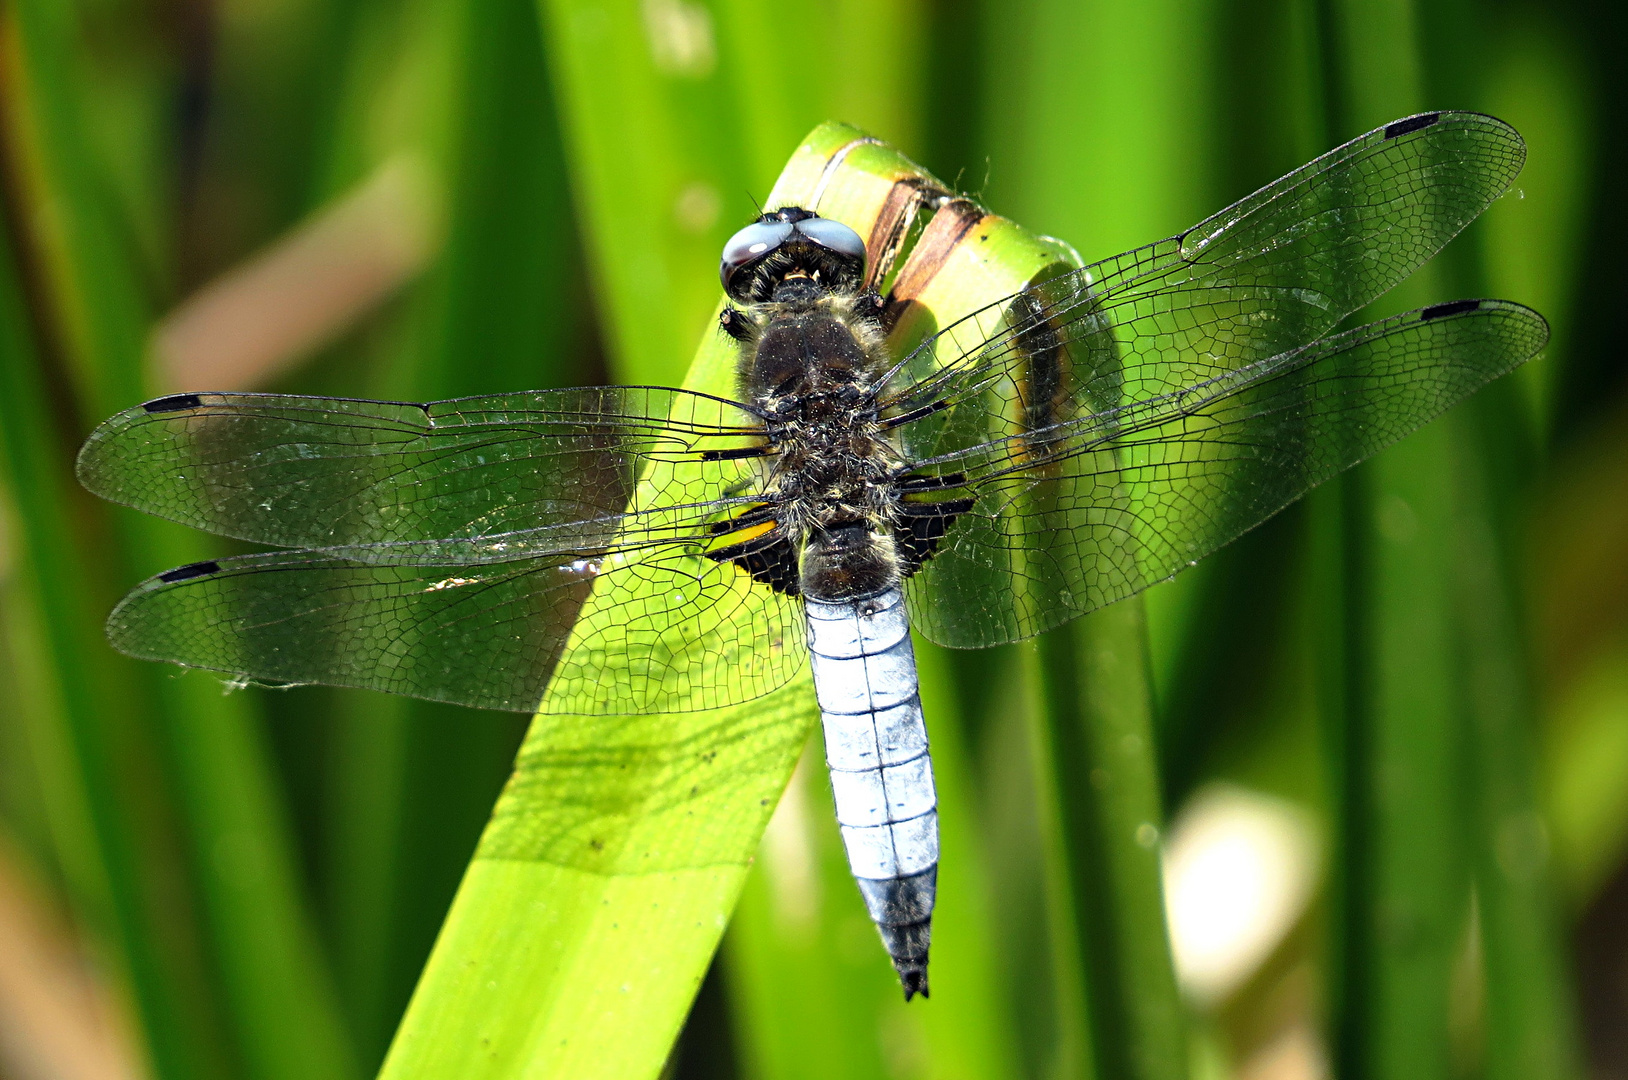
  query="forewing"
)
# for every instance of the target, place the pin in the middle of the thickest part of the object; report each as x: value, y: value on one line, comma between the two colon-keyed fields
x: 1268, y: 274
x: 323, y: 472
x: 695, y: 635
x: 1080, y: 515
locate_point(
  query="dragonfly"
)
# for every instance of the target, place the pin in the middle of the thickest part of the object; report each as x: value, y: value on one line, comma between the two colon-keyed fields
x: 1061, y: 448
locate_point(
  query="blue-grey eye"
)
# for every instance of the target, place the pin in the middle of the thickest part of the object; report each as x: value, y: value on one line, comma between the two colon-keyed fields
x: 834, y: 235
x: 807, y: 233
x: 751, y: 244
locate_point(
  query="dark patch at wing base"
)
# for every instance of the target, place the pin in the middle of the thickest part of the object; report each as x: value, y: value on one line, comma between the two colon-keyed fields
x: 923, y: 519
x: 768, y: 556
x: 922, y: 527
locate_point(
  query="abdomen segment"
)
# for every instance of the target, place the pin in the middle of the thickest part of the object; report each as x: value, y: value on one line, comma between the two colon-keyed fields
x: 881, y: 774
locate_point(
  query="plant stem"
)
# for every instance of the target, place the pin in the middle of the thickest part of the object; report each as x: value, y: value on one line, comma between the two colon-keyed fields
x: 1095, y: 734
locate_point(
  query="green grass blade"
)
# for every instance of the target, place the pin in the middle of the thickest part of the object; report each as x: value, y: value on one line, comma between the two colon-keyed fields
x: 273, y: 975
x: 268, y: 972
x: 659, y: 169
x: 642, y: 845
x: 1404, y: 898
x: 1409, y: 898
x: 1096, y: 138
x: 1529, y: 1024
x: 414, y: 782
x: 107, y: 854
x: 1095, y: 738
x: 98, y: 307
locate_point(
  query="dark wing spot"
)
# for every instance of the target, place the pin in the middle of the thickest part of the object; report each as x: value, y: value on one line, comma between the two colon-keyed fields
x: 174, y: 403
x: 1411, y: 124
x: 1452, y: 307
x: 189, y: 571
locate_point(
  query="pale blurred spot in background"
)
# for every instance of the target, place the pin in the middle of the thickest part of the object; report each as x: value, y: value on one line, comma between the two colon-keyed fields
x: 1240, y: 869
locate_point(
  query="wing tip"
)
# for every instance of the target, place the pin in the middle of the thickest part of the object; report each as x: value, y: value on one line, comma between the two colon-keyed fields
x: 1483, y: 306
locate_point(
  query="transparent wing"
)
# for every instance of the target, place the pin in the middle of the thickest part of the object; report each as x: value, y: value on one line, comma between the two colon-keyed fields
x: 1069, y: 518
x: 305, y: 472
x: 1268, y: 274
x: 687, y: 632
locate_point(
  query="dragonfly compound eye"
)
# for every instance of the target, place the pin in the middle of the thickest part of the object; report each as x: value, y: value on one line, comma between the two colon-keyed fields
x: 751, y: 246
x: 805, y: 239
x: 835, y: 236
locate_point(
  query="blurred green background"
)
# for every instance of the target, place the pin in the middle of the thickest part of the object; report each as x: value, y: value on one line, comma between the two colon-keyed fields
x: 1391, y: 725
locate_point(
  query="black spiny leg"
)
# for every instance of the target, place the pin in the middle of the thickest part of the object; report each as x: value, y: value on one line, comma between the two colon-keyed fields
x: 736, y: 324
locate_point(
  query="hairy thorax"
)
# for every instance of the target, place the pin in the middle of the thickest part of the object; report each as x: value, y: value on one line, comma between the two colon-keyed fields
x: 810, y: 365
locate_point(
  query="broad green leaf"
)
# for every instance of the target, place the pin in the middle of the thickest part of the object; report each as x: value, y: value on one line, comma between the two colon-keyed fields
x: 621, y: 843
x: 465, y: 97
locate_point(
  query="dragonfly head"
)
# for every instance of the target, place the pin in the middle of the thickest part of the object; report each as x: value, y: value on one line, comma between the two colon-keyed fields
x: 787, y: 246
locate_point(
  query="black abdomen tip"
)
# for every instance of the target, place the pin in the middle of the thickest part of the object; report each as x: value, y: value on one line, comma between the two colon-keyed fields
x: 907, y: 946
x: 901, y: 900
x: 913, y: 979
x: 902, y: 909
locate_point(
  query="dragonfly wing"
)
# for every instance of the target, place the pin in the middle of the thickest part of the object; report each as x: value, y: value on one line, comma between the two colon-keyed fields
x: 693, y: 634
x: 304, y: 472
x: 678, y: 632
x: 1270, y: 273
x: 1071, y: 518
